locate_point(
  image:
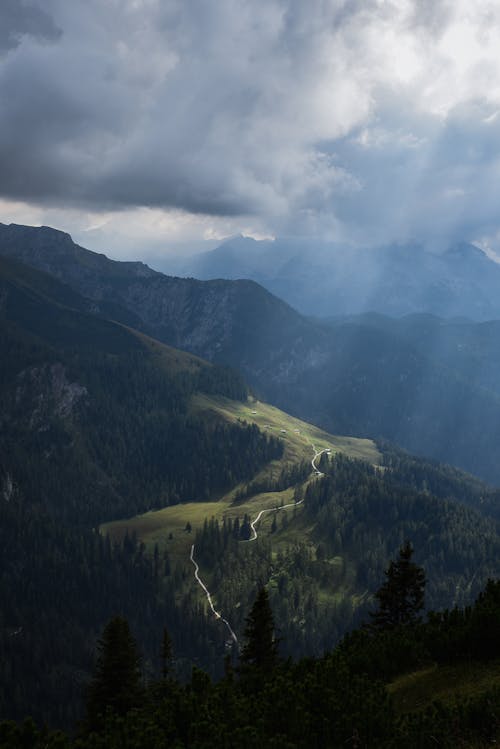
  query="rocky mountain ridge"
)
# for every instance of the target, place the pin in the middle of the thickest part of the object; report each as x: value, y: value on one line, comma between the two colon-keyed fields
x: 234, y: 322
x: 427, y: 385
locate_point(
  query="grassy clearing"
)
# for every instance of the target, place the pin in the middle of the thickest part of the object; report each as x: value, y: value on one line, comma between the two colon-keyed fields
x: 416, y: 691
x: 168, y: 527
x: 297, y: 435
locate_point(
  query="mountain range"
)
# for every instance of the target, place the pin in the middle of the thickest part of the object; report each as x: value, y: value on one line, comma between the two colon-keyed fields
x: 326, y: 279
x: 423, y: 382
x: 121, y: 456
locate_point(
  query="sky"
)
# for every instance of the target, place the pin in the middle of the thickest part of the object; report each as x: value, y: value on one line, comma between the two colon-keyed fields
x: 147, y: 126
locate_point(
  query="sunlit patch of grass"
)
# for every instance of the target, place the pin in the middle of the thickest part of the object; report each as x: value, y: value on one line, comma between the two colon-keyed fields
x: 417, y: 690
x: 168, y: 526
x: 297, y: 435
x: 174, y: 528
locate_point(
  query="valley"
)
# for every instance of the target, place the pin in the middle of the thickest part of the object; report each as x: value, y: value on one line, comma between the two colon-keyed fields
x: 171, y: 472
x: 303, y: 446
x: 249, y: 374
x: 318, y: 563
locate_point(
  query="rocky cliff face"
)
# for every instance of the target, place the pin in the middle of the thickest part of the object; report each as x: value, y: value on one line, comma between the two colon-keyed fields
x: 45, y: 392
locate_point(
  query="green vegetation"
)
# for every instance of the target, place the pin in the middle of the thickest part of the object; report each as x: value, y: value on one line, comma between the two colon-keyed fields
x: 298, y: 435
x: 322, y: 558
x: 400, y: 599
x: 300, y: 441
x: 260, y: 650
x: 117, y: 676
x: 419, y: 689
x: 346, y: 697
x: 96, y: 423
x: 101, y: 423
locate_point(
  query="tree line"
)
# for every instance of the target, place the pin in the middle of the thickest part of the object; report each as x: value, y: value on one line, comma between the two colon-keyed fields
x: 337, y: 700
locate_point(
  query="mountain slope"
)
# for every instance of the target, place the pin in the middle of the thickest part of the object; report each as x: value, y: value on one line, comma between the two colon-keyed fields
x: 357, y: 376
x: 376, y: 383
x: 473, y: 349
x: 237, y: 323
x: 67, y: 369
x: 96, y: 422
x: 101, y: 422
x: 323, y: 554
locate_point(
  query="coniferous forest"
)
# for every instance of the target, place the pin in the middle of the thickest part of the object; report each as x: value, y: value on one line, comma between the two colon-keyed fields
x: 96, y: 424
x: 108, y: 639
x: 346, y: 696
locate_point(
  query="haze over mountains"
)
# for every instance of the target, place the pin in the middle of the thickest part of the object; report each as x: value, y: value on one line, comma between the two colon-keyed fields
x: 427, y: 384
x: 324, y: 279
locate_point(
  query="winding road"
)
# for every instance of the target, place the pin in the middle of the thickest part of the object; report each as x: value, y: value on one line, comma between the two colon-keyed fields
x: 269, y: 509
x: 217, y: 614
x: 209, y: 597
x: 317, y: 453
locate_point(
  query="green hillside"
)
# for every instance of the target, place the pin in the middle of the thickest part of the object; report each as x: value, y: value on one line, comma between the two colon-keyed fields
x: 301, y: 441
x: 405, y: 381
x: 96, y: 423
x: 417, y: 690
x: 323, y: 554
x: 101, y: 424
x: 112, y: 409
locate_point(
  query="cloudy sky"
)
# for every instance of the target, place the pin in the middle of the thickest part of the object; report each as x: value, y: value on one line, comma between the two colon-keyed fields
x: 146, y: 125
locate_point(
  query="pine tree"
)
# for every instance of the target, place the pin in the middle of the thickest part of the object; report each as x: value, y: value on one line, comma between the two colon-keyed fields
x: 245, y: 529
x: 261, y: 647
x: 116, y: 684
x: 401, y: 597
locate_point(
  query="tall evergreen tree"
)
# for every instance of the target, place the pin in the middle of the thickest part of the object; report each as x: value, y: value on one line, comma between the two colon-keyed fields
x: 401, y: 597
x: 116, y: 684
x: 261, y: 646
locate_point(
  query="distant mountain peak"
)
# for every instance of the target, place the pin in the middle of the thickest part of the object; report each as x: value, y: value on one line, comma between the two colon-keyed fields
x: 238, y: 239
x: 327, y: 279
x: 48, y: 245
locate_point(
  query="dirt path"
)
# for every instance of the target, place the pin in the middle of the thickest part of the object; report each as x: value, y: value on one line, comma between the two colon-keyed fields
x: 217, y: 614
x: 209, y: 597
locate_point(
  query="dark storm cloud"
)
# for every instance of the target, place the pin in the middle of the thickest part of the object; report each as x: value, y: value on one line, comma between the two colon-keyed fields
x: 360, y: 119
x: 18, y: 19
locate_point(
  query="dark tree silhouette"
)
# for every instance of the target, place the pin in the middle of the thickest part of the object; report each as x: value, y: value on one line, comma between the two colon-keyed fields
x: 116, y: 684
x: 401, y: 597
x: 261, y: 646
